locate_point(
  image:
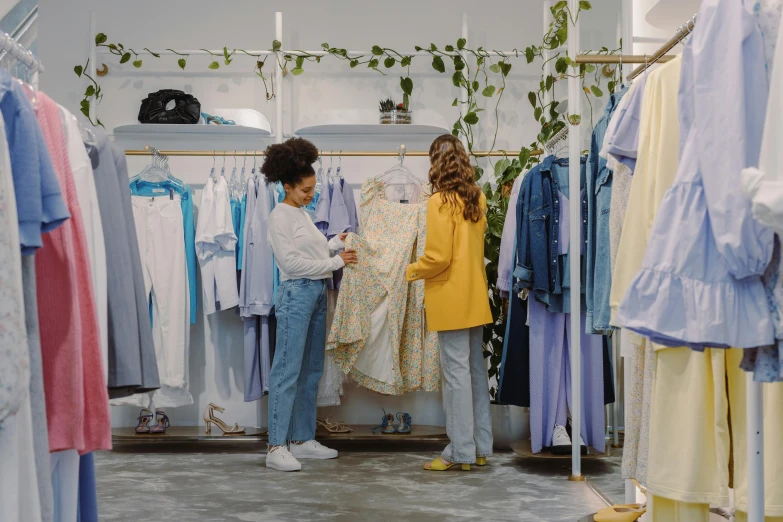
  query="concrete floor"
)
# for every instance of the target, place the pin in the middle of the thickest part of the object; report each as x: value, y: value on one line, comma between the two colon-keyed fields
x: 176, y: 483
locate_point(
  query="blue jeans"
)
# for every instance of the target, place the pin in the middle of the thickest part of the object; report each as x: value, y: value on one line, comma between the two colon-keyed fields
x: 300, y: 309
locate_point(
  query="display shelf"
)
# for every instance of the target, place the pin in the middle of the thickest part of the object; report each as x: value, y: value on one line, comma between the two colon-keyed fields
x: 371, y: 136
x: 185, y: 434
x: 363, y: 432
x: 668, y: 15
x: 191, y: 137
x: 523, y: 449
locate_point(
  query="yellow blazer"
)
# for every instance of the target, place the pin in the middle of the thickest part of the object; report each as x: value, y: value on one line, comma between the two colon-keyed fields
x: 455, y: 280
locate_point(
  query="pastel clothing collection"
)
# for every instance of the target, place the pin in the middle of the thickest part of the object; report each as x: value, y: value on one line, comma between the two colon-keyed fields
x: 379, y: 335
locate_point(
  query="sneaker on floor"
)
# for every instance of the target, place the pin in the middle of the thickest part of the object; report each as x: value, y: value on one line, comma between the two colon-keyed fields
x: 561, y: 442
x: 312, y: 449
x: 281, y: 459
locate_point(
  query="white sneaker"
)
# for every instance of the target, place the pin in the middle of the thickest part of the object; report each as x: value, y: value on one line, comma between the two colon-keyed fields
x: 281, y: 459
x: 561, y: 442
x: 312, y: 449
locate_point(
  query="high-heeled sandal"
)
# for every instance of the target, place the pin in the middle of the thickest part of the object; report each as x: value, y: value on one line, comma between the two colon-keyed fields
x: 210, y: 419
x: 333, y: 426
x: 143, y: 427
x: 162, y: 423
x: 621, y: 513
x: 405, y: 422
x: 439, y: 465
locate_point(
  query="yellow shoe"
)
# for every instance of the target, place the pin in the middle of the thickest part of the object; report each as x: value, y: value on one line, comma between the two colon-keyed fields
x: 481, y: 461
x: 620, y: 513
x: 440, y: 465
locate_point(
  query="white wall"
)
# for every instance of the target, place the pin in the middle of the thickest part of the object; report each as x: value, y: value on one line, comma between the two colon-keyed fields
x: 216, y: 343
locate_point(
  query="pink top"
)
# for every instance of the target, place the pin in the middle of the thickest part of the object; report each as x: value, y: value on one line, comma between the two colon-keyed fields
x: 77, y: 400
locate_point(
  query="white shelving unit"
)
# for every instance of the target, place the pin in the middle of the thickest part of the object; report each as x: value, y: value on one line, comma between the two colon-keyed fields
x: 668, y: 15
x: 371, y: 136
x: 193, y: 137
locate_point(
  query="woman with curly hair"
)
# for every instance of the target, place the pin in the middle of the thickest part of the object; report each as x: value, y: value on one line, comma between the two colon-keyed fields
x: 306, y: 261
x: 456, y: 301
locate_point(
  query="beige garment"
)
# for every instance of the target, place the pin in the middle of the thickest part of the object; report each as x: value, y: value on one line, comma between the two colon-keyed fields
x: 690, y: 440
x: 636, y: 446
x: 330, y: 387
x: 656, y: 167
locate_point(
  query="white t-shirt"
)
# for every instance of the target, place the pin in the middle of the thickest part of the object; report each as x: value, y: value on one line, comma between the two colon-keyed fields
x: 301, y: 250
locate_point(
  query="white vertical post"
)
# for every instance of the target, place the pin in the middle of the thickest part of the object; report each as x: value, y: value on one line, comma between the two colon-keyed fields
x: 627, y: 32
x: 548, y: 95
x: 278, y: 82
x: 617, y: 361
x: 754, y: 399
x: 627, y: 48
x: 575, y: 203
x: 93, y: 68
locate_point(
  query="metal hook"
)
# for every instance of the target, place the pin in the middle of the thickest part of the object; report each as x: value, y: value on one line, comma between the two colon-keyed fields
x: 341, y: 162
x: 255, y: 155
x: 244, y: 163
x: 235, y: 159
x: 214, y: 152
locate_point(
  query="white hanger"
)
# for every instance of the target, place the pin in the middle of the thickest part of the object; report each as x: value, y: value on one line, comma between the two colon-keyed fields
x: 400, y: 169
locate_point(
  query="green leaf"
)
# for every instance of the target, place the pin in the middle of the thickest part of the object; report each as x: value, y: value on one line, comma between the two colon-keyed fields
x: 461, y: 43
x: 100, y: 38
x: 561, y: 65
x: 506, y: 68
x: 471, y: 118
x: 438, y: 65
x: 476, y: 85
x: 214, y: 65
x: 488, y: 91
x: 137, y: 63
x: 562, y: 34
x: 296, y: 71
x: 584, y: 4
x: 418, y: 48
x: 406, y: 61
x: 455, y: 133
x: 373, y: 64
x: 459, y: 63
x: 531, y: 96
x: 407, y: 85
x: 529, y: 55
x: 501, y: 166
x: 495, y: 68
x: 299, y: 61
x: 550, y: 81
x: 433, y: 47
x: 456, y: 102
x: 84, y: 103
x: 559, y: 5
x: 596, y: 91
x: 276, y: 45
x: 575, y: 119
x: 456, y: 79
x: 449, y: 48
x: 537, y: 113
x: 78, y: 70
x: 389, y: 62
x: 125, y: 57
x: 86, y: 111
x: 90, y: 91
x: 156, y: 55
x: 182, y: 63
x: 524, y: 156
x: 376, y: 50
x: 354, y: 63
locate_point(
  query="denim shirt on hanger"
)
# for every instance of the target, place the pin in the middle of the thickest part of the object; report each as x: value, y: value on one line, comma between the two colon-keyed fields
x: 541, y: 265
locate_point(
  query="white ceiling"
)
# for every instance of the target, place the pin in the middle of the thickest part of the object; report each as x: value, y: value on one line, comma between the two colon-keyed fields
x: 669, y: 15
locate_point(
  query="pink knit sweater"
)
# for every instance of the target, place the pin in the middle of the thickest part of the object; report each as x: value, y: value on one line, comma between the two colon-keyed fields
x: 77, y: 400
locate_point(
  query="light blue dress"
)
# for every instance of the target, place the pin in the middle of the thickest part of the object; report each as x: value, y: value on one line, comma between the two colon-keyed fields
x: 700, y: 283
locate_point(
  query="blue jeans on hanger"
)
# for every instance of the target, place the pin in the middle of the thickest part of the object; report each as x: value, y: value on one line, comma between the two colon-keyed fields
x: 300, y: 309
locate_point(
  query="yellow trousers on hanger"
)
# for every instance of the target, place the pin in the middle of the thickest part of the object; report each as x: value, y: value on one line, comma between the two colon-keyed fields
x: 690, y: 438
x: 661, y: 509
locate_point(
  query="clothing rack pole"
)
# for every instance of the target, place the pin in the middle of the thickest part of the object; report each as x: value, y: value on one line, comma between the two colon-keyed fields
x: 278, y: 83
x: 344, y: 153
x: 754, y: 405
x: 619, y: 58
x: 93, y: 65
x: 682, y: 32
x: 574, y: 177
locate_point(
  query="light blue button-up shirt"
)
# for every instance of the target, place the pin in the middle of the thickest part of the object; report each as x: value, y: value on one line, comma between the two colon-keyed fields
x: 700, y: 282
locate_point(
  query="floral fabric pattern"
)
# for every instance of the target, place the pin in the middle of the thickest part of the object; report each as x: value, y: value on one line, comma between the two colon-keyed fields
x: 391, y: 234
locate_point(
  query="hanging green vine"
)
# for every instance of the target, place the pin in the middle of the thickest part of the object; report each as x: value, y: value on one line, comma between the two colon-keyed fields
x: 481, y: 73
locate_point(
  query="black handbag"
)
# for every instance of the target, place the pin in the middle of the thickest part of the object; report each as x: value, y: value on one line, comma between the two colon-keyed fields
x: 187, y: 108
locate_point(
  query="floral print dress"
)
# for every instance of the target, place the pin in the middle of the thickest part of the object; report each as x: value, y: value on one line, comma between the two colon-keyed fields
x: 378, y: 334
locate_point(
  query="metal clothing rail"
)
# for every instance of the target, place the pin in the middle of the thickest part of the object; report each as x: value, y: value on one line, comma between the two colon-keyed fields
x: 344, y: 153
x: 682, y: 32
x: 620, y: 58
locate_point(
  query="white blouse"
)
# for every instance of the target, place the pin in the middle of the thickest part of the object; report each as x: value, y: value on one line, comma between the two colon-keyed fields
x: 300, y: 249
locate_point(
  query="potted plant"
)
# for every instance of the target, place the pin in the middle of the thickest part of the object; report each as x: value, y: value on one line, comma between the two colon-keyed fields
x: 391, y: 114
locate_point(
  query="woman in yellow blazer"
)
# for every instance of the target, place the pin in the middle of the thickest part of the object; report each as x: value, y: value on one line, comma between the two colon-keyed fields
x: 457, y: 302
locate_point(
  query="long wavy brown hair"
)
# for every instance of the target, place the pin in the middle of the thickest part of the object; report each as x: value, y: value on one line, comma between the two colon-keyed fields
x: 451, y: 174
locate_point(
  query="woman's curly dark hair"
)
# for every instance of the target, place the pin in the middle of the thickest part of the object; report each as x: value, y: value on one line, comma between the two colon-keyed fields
x: 452, y: 175
x: 290, y: 162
